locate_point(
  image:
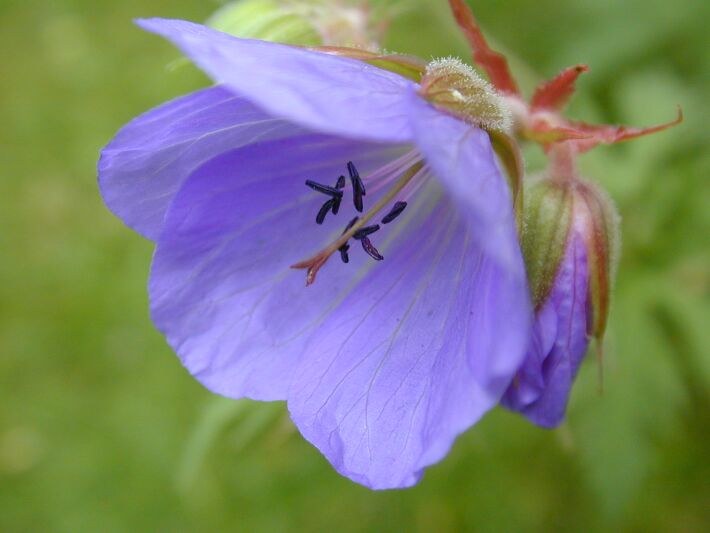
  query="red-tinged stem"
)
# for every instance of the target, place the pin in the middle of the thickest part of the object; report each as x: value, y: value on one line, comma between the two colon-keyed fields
x: 554, y: 94
x: 563, y: 162
x: 492, y: 62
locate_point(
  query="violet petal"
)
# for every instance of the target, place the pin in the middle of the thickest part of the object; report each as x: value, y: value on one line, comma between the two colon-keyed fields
x: 329, y: 94
x: 144, y: 166
x: 463, y: 160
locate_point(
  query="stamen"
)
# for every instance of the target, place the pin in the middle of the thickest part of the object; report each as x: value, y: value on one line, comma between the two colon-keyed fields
x: 371, y: 250
x: 314, y: 263
x: 336, y: 204
x: 330, y: 204
x: 357, y: 200
x: 336, y: 194
x: 364, y: 232
x: 345, y: 247
x: 396, y: 210
x: 390, y: 171
x: 414, y: 187
x: 325, y: 189
x: 344, y: 253
x: 355, y: 175
x: 358, y: 186
x: 340, y: 185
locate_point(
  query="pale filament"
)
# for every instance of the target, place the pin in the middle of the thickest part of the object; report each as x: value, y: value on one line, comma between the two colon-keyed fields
x: 416, y: 184
x: 391, y: 170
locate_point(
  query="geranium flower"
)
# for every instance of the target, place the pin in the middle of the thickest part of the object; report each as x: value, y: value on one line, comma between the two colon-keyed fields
x: 383, y: 362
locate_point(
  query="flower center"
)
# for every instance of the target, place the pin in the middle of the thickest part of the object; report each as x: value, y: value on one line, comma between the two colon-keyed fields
x: 409, y: 169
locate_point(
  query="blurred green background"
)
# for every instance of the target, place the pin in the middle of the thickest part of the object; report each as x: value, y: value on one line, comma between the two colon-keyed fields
x: 102, y: 430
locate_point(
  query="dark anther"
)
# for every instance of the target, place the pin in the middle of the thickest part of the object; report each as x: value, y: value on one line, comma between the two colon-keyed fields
x: 340, y: 185
x: 358, y: 186
x: 396, y: 210
x: 357, y: 200
x: 362, y: 233
x: 330, y: 204
x: 336, y: 204
x: 325, y: 189
x: 344, y: 252
x: 355, y: 175
x: 345, y: 247
x: 371, y: 250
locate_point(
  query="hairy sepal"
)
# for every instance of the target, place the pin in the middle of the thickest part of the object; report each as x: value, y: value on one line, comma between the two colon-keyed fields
x: 547, y: 221
x: 457, y: 89
x: 598, y: 220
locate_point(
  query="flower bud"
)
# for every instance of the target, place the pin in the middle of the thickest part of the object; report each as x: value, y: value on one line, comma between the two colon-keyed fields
x: 570, y: 246
x: 299, y: 22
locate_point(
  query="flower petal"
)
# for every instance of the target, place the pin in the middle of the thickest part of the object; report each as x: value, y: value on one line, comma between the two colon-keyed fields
x: 221, y: 286
x: 463, y: 160
x: 416, y: 354
x: 323, y: 92
x: 529, y: 382
x: 144, y: 166
x: 541, y: 389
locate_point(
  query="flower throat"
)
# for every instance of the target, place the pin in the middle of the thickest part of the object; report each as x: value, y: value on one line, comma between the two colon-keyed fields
x: 403, y: 170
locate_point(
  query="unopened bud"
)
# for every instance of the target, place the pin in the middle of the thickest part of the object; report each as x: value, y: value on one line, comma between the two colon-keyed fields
x: 570, y: 245
x: 300, y: 22
x: 559, y: 212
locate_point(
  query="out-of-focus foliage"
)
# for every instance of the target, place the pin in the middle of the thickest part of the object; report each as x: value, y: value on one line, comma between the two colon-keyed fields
x: 102, y: 430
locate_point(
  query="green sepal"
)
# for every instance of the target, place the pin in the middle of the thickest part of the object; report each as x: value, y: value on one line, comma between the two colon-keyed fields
x: 510, y: 156
x: 547, y: 219
x: 405, y: 65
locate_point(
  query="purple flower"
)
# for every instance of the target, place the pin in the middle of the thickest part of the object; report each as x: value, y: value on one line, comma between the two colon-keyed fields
x: 570, y: 246
x: 383, y: 363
